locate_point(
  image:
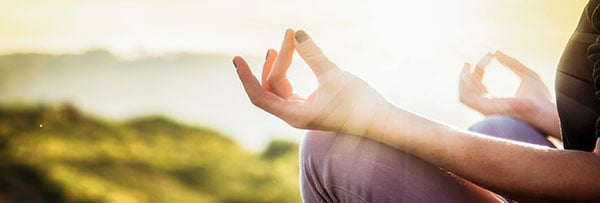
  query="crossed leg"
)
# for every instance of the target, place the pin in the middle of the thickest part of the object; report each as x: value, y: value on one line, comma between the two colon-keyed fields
x: 348, y: 168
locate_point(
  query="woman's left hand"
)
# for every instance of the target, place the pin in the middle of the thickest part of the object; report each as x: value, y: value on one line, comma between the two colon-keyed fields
x: 342, y: 102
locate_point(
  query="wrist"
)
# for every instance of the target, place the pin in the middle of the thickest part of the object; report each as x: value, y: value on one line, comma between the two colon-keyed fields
x: 406, y: 130
x: 546, y: 119
x: 542, y: 115
x: 380, y: 122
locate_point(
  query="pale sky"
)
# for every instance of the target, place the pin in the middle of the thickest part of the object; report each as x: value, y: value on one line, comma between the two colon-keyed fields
x: 411, y: 51
x: 231, y: 25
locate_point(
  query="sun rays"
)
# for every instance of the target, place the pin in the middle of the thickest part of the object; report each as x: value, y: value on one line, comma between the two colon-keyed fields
x: 411, y: 51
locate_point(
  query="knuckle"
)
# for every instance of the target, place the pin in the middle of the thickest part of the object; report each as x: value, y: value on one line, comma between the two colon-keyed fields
x: 317, y: 59
x: 255, y: 101
x: 300, y: 122
x: 462, y: 99
x: 297, y: 123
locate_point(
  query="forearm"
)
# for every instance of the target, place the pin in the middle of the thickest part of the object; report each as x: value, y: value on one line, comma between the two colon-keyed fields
x: 519, y: 170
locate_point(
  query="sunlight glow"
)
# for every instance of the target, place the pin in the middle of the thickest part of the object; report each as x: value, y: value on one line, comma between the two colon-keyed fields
x: 413, y: 28
x: 409, y: 50
x: 500, y: 81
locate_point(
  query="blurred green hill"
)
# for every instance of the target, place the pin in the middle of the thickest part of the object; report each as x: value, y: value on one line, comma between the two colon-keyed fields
x: 58, y: 154
x: 199, y: 88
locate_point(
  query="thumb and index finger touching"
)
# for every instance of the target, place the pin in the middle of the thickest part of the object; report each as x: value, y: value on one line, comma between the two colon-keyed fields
x: 507, y: 61
x: 306, y: 48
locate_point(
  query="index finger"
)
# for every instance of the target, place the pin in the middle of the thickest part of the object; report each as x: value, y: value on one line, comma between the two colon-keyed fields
x: 481, y: 64
x: 515, y: 65
x: 284, y: 59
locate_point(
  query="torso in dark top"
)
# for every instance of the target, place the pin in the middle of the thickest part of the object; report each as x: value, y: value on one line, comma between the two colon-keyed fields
x: 577, y: 101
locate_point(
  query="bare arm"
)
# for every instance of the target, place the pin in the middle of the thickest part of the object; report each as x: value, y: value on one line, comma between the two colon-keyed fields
x: 345, y: 103
x: 521, y: 171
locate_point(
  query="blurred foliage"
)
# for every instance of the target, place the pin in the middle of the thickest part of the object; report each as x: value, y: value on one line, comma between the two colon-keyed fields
x: 57, y: 154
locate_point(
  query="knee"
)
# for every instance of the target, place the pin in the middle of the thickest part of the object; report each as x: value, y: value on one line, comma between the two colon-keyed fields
x: 505, y: 127
x: 315, y: 150
x: 315, y: 143
x: 348, y: 168
x: 313, y: 153
x: 319, y: 146
x: 334, y: 167
x: 490, y: 124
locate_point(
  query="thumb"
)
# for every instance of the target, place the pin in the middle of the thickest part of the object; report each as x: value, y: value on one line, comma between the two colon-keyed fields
x: 312, y: 54
x: 515, y: 65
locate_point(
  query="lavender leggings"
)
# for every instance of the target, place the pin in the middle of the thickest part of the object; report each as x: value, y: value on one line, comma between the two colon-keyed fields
x: 347, y: 168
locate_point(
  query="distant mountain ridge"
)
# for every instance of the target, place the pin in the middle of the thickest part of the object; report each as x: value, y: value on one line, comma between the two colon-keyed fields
x: 194, y: 88
x: 57, y: 154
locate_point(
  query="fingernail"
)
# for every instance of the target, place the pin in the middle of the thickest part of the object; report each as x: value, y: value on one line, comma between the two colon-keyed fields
x: 234, y: 65
x: 301, y: 36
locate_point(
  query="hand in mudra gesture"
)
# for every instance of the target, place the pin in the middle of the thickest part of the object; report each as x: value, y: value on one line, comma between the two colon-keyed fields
x: 532, y: 91
x: 342, y: 102
x: 531, y: 103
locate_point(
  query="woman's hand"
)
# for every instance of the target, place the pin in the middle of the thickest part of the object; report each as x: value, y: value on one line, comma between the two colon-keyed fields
x: 532, y: 102
x: 342, y: 102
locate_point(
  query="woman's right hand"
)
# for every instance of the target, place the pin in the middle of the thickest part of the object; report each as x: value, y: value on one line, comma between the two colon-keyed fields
x: 531, y: 103
x: 342, y: 102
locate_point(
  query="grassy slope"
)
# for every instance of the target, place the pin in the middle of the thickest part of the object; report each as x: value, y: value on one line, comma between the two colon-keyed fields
x: 76, y: 158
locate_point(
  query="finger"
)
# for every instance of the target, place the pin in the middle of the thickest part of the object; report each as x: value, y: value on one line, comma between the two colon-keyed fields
x: 258, y: 96
x: 465, y: 74
x: 477, y: 85
x: 268, y: 66
x: 481, y: 64
x: 251, y: 85
x: 466, y: 70
x: 284, y: 60
x: 312, y: 54
x: 514, y: 65
x: 468, y: 80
